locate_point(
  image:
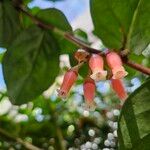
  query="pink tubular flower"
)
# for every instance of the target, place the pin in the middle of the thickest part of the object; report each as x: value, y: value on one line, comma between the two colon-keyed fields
x: 96, y: 64
x: 118, y: 87
x: 89, y: 91
x: 115, y: 63
x: 69, y: 79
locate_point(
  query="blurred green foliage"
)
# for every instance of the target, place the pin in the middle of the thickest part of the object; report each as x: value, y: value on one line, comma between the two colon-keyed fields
x: 33, y: 117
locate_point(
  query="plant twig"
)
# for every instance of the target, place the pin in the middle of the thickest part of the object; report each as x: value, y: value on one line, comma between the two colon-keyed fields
x: 26, y: 144
x: 78, y: 42
x: 81, y: 44
x: 138, y: 67
x: 66, y: 35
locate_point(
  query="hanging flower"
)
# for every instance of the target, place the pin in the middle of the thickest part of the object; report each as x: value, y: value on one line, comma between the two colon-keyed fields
x: 115, y: 63
x: 89, y: 91
x: 118, y: 87
x: 96, y: 64
x: 69, y: 79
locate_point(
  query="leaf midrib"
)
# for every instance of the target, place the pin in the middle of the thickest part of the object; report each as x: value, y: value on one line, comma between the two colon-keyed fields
x: 131, y: 27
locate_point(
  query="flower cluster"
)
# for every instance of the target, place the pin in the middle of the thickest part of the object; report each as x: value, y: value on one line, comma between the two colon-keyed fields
x: 96, y: 74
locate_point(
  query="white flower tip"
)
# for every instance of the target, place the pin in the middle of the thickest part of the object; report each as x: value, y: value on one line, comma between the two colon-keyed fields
x: 119, y: 73
x: 99, y: 75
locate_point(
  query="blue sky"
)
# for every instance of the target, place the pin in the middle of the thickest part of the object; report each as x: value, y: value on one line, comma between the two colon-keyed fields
x: 2, y: 84
x: 71, y: 8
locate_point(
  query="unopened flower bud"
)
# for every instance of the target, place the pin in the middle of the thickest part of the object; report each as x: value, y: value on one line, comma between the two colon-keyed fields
x: 81, y: 55
x: 96, y: 64
x: 89, y: 91
x: 69, y: 79
x: 118, y: 87
x: 115, y: 63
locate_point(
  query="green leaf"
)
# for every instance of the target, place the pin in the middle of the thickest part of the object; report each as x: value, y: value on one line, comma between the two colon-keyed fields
x: 9, y: 23
x: 26, y: 1
x: 134, y: 129
x: 25, y: 20
x: 67, y: 47
x: 61, y: 22
x: 122, y: 23
x: 1, y: 57
x: 31, y: 64
x: 80, y: 34
x: 55, y: 17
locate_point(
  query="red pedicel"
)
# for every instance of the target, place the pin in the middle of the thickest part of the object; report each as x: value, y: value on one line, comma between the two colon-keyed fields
x: 115, y: 63
x: 96, y: 64
x: 119, y: 88
x: 89, y: 91
x: 69, y: 79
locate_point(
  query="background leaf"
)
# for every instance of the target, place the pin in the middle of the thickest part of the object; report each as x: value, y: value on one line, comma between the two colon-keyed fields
x: 9, y: 23
x: 25, y: 20
x: 80, y: 34
x: 1, y: 57
x: 59, y: 21
x: 122, y: 24
x: 30, y: 64
x: 134, y: 129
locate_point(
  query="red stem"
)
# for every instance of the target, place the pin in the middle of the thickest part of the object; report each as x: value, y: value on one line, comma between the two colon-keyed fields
x: 138, y: 67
